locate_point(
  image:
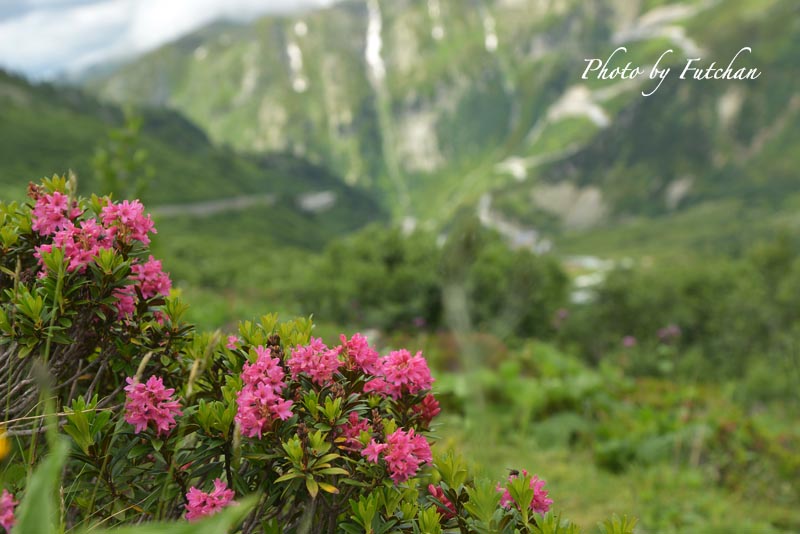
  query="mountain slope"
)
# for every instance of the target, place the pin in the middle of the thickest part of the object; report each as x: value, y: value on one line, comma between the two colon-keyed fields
x: 50, y: 130
x: 441, y: 105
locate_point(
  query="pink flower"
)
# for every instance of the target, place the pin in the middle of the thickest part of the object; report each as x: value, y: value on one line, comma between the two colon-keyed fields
x: 260, y: 402
x: 232, y: 342
x: 150, y: 278
x: 201, y: 504
x: 128, y: 218
x: 126, y: 301
x: 427, y: 409
x: 358, y: 354
x: 377, y: 385
x: 372, y: 451
x: 628, y: 341
x: 669, y: 333
x: 7, y: 505
x: 282, y: 409
x: 352, y: 431
x: 540, y: 503
x: 80, y: 243
x: 151, y: 282
x: 401, y: 374
x: 315, y: 360
x: 447, y: 510
x: 403, y: 451
x: 50, y: 213
x: 150, y: 402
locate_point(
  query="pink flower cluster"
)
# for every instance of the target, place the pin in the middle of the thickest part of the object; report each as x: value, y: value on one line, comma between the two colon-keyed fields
x: 7, y: 505
x: 260, y: 402
x: 150, y: 403
x: 427, y: 409
x: 401, y: 373
x: 129, y: 220
x: 352, y: 430
x: 404, y: 452
x: 358, y: 355
x: 52, y: 213
x: 540, y: 503
x: 150, y: 278
x: 201, y: 504
x: 126, y: 301
x: 80, y: 243
x: 315, y: 360
x: 447, y: 510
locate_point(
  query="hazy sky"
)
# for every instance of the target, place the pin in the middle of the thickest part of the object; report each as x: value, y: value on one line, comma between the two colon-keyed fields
x: 42, y: 38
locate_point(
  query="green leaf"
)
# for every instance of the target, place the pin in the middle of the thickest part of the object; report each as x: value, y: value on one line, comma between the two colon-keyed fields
x: 618, y: 525
x: 289, y: 476
x: 38, y: 510
x: 219, y: 523
x: 330, y: 488
x: 483, y: 501
x: 312, y: 486
x: 332, y: 471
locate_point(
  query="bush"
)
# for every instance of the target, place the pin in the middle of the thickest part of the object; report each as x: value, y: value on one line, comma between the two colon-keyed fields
x: 383, y: 279
x: 325, y: 439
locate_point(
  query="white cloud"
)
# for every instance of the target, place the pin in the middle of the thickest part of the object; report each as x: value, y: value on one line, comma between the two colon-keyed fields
x: 44, y: 37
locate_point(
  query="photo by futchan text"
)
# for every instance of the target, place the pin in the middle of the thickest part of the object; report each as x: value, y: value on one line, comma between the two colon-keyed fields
x: 692, y: 69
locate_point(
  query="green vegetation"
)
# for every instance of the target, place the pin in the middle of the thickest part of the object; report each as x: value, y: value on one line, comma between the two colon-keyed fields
x: 46, y: 128
x: 664, y: 388
x: 455, y: 110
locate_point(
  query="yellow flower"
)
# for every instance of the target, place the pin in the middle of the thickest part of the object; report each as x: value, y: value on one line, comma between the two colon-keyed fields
x: 5, y: 446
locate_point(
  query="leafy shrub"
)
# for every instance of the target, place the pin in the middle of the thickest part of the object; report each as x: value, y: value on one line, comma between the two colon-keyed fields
x: 384, y: 279
x: 709, y: 318
x: 80, y: 292
x: 326, y: 439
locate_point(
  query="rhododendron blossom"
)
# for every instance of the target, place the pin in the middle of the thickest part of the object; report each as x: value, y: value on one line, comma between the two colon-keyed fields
x: 150, y: 278
x: 232, y: 342
x: 359, y: 355
x: 260, y: 402
x: 80, y: 243
x: 373, y: 450
x: 540, y: 503
x: 400, y: 373
x: 404, y: 452
x: 447, y: 510
x: 201, y: 504
x: 126, y: 301
x: 50, y: 213
x: 427, y: 409
x: 149, y: 403
x: 7, y: 505
x: 352, y: 430
x: 129, y: 220
x: 150, y: 281
x: 315, y: 360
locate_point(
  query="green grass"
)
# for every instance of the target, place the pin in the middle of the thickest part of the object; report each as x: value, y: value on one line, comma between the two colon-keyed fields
x: 666, y: 496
